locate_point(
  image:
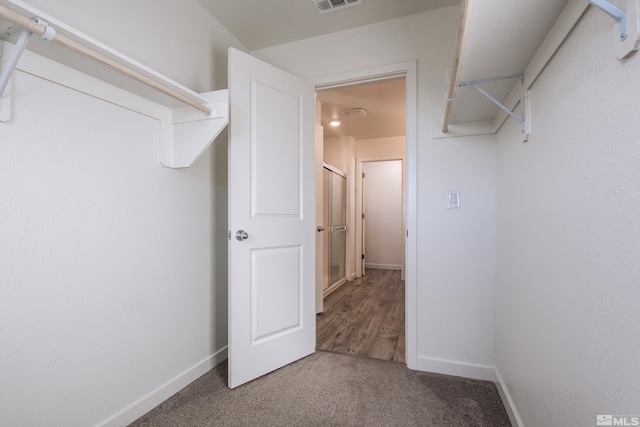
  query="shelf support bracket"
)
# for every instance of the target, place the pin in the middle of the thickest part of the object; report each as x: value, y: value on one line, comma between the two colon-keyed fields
x: 498, y: 103
x: 474, y: 84
x: 617, y: 14
x: 188, y: 135
x: 627, y: 26
x: 7, y: 71
x: 12, y: 61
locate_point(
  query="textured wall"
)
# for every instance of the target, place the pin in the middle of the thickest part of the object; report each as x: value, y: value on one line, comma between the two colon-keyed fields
x: 569, y: 237
x: 113, y: 272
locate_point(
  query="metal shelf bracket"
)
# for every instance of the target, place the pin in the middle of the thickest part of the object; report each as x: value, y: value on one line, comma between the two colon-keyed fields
x: 627, y: 27
x: 9, y: 67
x: 11, y: 62
x: 619, y: 15
x: 524, y: 123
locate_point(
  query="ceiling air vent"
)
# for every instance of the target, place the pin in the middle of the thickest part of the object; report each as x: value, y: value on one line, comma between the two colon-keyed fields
x: 326, y: 6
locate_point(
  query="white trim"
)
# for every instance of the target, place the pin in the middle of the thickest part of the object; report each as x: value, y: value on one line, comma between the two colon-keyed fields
x: 409, y: 71
x: 183, y: 132
x: 561, y: 29
x: 55, y: 72
x: 388, y: 72
x: 334, y: 287
x: 564, y: 25
x: 456, y: 130
x: 507, y: 401
x: 333, y: 169
x: 457, y: 368
x: 154, y: 398
x: 100, y: 55
x: 383, y: 266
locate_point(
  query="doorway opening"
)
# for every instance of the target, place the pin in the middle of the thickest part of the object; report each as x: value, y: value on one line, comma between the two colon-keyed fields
x: 382, y: 204
x: 268, y: 330
x: 364, y: 313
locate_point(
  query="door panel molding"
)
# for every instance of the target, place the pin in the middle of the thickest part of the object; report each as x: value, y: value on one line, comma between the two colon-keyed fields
x: 272, y: 266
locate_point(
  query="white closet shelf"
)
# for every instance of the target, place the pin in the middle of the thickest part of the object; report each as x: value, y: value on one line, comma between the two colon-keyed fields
x: 530, y: 34
x: 186, y: 131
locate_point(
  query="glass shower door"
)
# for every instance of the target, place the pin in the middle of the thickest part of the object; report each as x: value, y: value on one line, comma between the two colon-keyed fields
x: 335, y: 196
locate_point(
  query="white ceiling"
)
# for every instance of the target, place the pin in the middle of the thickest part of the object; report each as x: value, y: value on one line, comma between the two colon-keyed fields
x: 384, y: 102
x: 264, y: 23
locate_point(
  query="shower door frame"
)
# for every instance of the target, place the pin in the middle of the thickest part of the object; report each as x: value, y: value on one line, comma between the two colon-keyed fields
x: 327, y: 243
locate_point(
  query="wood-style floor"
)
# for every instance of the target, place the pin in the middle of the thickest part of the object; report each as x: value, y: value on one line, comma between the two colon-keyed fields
x: 365, y: 317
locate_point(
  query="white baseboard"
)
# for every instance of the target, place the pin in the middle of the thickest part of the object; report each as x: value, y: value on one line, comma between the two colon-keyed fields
x: 383, y: 266
x: 459, y: 369
x: 507, y: 401
x: 165, y: 391
x: 333, y: 287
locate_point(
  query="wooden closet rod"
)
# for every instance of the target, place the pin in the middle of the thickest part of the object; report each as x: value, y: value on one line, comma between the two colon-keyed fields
x: 62, y: 40
x: 462, y: 21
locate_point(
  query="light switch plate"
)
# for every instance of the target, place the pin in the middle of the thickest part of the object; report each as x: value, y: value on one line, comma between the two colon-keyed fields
x: 453, y: 199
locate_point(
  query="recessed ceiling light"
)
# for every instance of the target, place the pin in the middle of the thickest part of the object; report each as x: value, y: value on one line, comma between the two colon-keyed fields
x: 334, y: 123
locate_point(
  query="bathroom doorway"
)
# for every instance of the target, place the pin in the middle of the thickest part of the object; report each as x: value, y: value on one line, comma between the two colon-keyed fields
x: 364, y: 314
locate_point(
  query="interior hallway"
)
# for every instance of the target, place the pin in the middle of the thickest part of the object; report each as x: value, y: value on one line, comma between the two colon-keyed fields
x: 365, y: 317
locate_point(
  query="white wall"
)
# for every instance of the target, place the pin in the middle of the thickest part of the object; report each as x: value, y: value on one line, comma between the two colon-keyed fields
x: 383, y: 247
x: 456, y: 248
x: 113, y: 268
x: 381, y: 148
x: 340, y: 152
x: 569, y: 237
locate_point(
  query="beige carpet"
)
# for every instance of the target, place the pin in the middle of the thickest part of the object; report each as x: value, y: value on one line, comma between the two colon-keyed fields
x: 327, y: 389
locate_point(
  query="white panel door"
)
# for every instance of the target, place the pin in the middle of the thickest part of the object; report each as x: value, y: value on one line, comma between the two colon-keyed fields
x: 383, y: 207
x: 271, y: 200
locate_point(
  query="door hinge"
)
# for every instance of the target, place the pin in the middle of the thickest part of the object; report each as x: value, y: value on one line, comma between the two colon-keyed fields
x: 363, y: 175
x: 229, y: 234
x: 362, y: 216
x: 362, y: 256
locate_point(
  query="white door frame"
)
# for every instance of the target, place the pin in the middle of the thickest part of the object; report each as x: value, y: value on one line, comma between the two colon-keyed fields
x: 408, y: 70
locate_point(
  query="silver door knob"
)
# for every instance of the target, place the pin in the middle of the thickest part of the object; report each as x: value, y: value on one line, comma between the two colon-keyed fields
x: 320, y: 228
x: 242, y: 235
